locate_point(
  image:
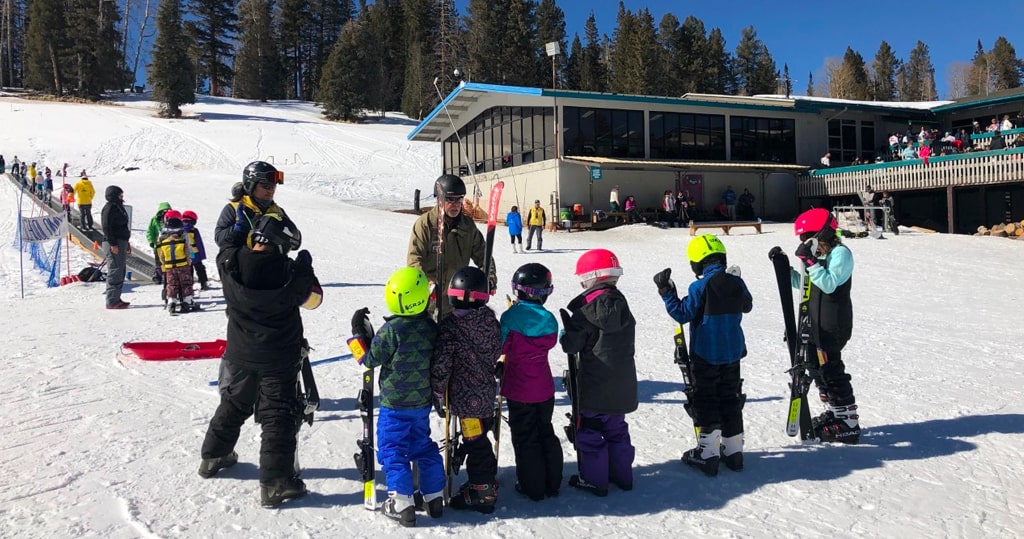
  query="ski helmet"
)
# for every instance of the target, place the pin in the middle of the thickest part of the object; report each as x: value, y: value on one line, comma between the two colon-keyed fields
x: 532, y: 282
x: 407, y: 292
x: 598, y: 265
x: 259, y: 171
x: 469, y: 288
x: 237, y: 191
x: 815, y: 222
x: 449, y: 185
x: 278, y: 231
x: 703, y: 250
x: 189, y: 215
x: 172, y: 214
x: 172, y: 223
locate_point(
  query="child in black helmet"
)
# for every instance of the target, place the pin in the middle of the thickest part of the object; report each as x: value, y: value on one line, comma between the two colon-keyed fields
x: 467, y: 350
x: 528, y: 333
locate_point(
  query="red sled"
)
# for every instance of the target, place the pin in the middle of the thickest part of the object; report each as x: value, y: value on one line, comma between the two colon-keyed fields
x: 175, y: 350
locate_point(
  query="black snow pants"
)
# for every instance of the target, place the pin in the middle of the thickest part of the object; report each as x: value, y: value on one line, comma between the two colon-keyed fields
x: 538, y: 450
x: 717, y: 396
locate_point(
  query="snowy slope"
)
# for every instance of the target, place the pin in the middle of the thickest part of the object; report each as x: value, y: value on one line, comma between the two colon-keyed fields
x: 100, y: 445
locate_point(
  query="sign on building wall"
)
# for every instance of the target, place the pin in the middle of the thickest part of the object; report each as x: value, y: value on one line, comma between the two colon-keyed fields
x: 596, y: 173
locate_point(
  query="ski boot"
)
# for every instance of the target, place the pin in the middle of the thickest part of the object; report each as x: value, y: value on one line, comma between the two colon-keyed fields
x: 476, y: 497
x: 838, y: 424
x: 276, y: 491
x: 435, y: 504
x: 189, y: 306
x: 400, y: 509
x: 705, y: 456
x: 173, y: 308
x: 580, y: 483
x: 209, y: 467
x: 732, y: 452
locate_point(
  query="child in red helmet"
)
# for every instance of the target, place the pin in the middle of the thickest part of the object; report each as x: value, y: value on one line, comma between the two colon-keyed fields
x: 175, y: 260
x: 600, y: 331
x: 195, y: 241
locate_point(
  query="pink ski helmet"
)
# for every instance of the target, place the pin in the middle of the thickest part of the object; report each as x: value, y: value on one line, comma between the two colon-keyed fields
x: 813, y: 221
x: 597, y: 265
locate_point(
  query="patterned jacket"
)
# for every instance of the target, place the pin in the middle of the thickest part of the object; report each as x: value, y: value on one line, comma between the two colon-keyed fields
x: 467, y: 350
x: 402, y: 348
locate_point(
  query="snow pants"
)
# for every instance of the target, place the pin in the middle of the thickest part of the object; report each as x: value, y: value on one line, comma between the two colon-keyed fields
x: 178, y: 283
x: 540, y: 236
x: 274, y: 396
x: 604, y: 449
x: 116, y: 271
x: 831, y: 376
x: 481, y: 464
x: 403, y: 437
x: 85, y: 211
x: 538, y: 450
x: 717, y: 396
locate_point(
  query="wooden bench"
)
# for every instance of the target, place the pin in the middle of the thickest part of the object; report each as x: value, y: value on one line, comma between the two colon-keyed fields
x: 725, y: 226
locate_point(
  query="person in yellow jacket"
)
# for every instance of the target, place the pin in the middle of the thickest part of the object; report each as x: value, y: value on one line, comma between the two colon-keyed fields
x: 84, y: 191
x: 536, y: 220
x: 463, y: 242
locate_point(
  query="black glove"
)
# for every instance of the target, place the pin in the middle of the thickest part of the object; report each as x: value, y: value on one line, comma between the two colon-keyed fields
x: 776, y: 251
x: 805, y: 252
x: 303, y: 258
x: 499, y: 370
x: 361, y: 326
x: 566, y: 318
x: 439, y: 408
x: 664, y: 281
x: 492, y: 286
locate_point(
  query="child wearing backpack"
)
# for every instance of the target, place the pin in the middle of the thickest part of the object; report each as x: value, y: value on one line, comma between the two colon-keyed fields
x: 528, y: 332
x: 403, y: 348
x: 174, y: 258
x: 195, y: 241
x: 714, y: 306
x: 601, y: 330
x: 467, y: 351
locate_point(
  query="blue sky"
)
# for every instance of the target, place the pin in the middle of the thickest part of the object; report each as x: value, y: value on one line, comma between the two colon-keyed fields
x: 804, y: 34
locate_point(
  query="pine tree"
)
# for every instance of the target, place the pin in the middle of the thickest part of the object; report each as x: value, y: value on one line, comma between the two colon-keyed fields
x: 668, y: 76
x: 259, y: 73
x: 328, y: 19
x: 753, y: 65
x: 383, y: 54
x: 444, y: 28
x: 550, y: 28
x: 44, y: 45
x: 171, y: 73
x: 573, y: 62
x: 216, y: 24
x: 485, y: 24
x: 296, y: 20
x: 1006, y: 67
x: 883, y: 82
x: 520, y: 53
x: 593, y: 76
x: 95, y: 63
x: 854, y: 83
x: 693, y: 57
x: 920, y: 75
x: 719, y: 73
x: 810, y: 85
x: 421, y: 64
x: 980, y: 82
x: 343, y: 78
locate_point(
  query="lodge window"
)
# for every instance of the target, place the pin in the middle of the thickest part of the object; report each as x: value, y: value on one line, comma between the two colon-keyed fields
x: 687, y: 136
x: 501, y: 137
x: 762, y: 139
x: 603, y: 132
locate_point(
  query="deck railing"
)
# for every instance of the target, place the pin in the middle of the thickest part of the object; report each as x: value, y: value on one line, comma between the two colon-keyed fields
x: 975, y: 168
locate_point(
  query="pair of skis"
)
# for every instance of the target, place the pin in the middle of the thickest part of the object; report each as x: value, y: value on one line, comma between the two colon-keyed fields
x: 798, y: 420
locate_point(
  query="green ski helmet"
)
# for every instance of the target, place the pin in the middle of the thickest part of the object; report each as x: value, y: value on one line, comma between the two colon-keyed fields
x: 701, y: 249
x: 407, y: 292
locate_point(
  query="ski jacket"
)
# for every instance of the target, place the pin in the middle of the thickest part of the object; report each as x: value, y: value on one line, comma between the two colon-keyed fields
x: 830, y: 308
x: 172, y: 251
x: 84, y: 192
x: 537, y: 217
x: 114, y: 218
x: 156, y: 223
x: 263, y: 291
x: 195, y: 240
x: 225, y: 234
x: 514, y: 222
x: 603, y: 332
x: 714, y: 307
x: 528, y: 332
x: 403, y: 348
x: 467, y: 350
x: 463, y: 242
x: 729, y: 197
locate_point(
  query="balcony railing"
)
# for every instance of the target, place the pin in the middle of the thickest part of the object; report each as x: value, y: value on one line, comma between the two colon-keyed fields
x: 982, y: 141
x: 975, y: 168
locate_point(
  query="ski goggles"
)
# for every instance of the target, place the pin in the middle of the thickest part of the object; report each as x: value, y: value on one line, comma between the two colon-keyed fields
x: 468, y: 295
x: 529, y: 290
x: 454, y: 199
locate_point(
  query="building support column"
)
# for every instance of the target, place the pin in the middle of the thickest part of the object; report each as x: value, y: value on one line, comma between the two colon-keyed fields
x: 950, y: 210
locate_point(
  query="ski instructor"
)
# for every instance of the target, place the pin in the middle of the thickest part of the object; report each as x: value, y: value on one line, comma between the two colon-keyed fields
x: 235, y: 223
x: 462, y: 241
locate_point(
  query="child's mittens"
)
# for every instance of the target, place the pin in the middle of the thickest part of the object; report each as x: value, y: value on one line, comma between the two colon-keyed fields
x: 663, y: 279
x: 361, y: 326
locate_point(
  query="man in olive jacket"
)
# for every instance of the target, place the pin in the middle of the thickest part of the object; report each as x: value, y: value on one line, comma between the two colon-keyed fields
x: 463, y: 241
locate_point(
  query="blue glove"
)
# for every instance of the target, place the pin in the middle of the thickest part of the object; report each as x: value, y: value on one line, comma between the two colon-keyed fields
x: 805, y: 252
x: 239, y: 218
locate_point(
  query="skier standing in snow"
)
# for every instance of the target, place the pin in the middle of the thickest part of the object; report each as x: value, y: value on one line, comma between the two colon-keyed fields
x: 259, y: 184
x: 537, y: 220
x: 514, y: 222
x: 462, y: 243
x: 403, y: 348
x: 528, y: 332
x: 84, y: 192
x: 600, y: 328
x: 195, y: 240
x: 467, y: 351
x: 156, y: 223
x: 116, y: 234
x: 714, y: 307
x: 174, y: 257
x: 259, y: 371
x: 829, y: 265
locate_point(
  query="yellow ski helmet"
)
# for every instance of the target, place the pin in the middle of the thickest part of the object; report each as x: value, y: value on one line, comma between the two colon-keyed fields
x: 407, y: 292
x: 704, y: 246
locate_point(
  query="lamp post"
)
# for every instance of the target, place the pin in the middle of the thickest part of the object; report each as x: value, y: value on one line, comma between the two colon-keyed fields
x: 553, y: 49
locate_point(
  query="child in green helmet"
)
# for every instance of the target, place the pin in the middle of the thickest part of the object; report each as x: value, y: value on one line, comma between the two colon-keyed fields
x: 714, y: 307
x: 402, y: 348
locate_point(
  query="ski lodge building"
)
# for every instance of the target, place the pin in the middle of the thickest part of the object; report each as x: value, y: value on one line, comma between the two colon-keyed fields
x: 568, y: 149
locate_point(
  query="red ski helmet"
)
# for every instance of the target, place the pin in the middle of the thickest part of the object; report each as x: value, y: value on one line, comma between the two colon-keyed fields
x: 172, y: 214
x: 189, y: 215
x: 813, y: 221
x: 597, y: 265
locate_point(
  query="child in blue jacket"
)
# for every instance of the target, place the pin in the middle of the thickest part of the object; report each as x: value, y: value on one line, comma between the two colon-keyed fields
x: 714, y: 307
x: 514, y: 222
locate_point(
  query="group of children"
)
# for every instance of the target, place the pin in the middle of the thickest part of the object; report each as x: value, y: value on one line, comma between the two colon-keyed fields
x: 455, y: 367
x: 179, y: 251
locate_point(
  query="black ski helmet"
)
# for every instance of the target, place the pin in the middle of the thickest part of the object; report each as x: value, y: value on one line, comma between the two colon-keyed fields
x: 449, y: 185
x: 277, y: 230
x: 258, y: 171
x: 532, y: 283
x: 469, y: 288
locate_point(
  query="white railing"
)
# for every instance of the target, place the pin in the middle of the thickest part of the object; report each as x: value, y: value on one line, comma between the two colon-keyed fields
x: 975, y: 168
x: 982, y: 141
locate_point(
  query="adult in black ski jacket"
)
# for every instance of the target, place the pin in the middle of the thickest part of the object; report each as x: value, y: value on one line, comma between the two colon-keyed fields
x: 116, y: 234
x: 259, y: 184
